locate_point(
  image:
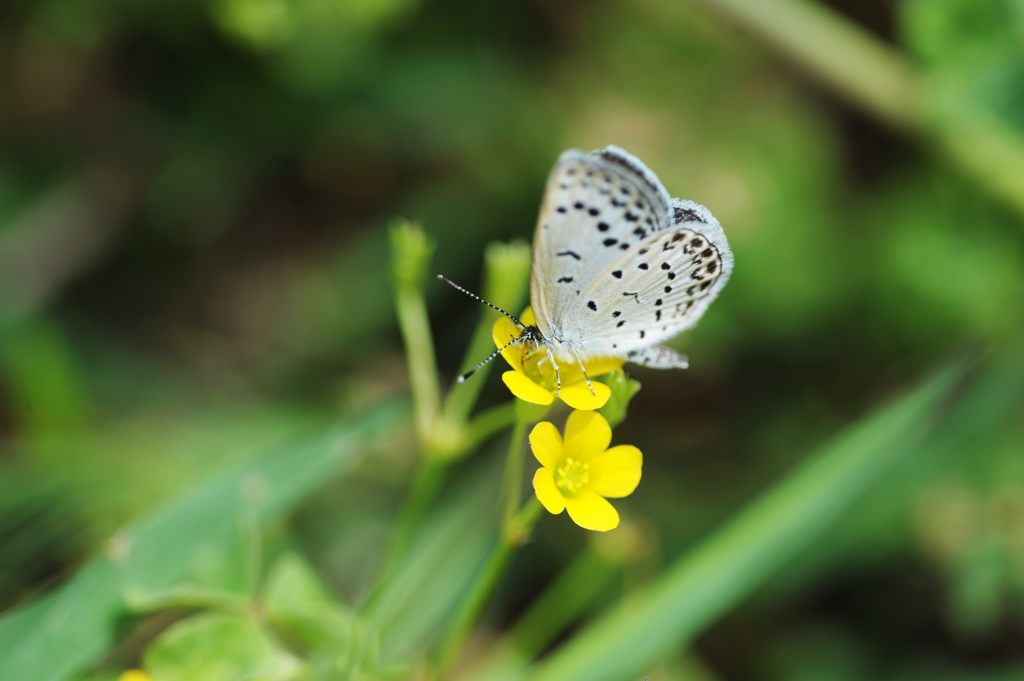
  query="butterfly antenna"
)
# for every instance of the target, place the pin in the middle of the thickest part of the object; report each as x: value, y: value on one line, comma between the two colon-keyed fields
x: 480, y: 300
x: 518, y: 339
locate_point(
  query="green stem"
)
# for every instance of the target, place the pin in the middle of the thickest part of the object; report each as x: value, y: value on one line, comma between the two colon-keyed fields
x: 506, y: 269
x: 883, y: 82
x: 575, y: 589
x: 419, y: 351
x: 841, y: 55
x: 572, y: 593
x: 411, y: 251
x: 472, y: 606
x: 424, y: 488
x: 488, y: 423
x: 462, y: 396
x: 486, y: 581
x: 512, y: 482
x: 429, y: 475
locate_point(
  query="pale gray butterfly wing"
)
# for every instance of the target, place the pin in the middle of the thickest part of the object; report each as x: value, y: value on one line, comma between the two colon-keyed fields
x: 597, y: 208
x: 659, y: 290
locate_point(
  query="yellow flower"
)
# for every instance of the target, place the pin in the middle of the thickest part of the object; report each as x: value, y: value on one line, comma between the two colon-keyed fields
x: 580, y: 471
x: 134, y: 675
x: 532, y: 378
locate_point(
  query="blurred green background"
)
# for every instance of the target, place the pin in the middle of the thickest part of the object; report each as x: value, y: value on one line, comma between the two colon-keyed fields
x: 193, y: 270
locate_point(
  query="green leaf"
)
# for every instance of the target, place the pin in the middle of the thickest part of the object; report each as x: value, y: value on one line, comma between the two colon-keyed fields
x: 38, y: 366
x: 298, y: 602
x: 442, y: 561
x: 729, y: 566
x: 218, y: 647
x: 334, y: 642
x: 220, y: 575
x: 977, y: 599
x: 70, y: 629
x: 293, y: 587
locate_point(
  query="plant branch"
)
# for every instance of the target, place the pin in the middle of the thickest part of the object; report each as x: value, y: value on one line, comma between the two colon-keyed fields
x: 882, y: 81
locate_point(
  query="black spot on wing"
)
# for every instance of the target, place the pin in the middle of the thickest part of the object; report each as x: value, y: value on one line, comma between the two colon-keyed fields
x: 681, y: 214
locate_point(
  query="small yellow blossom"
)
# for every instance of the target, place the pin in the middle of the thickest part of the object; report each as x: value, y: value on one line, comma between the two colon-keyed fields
x: 134, y: 675
x: 532, y: 378
x: 580, y: 471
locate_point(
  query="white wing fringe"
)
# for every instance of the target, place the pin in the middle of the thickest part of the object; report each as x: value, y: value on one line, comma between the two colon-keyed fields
x: 659, y: 357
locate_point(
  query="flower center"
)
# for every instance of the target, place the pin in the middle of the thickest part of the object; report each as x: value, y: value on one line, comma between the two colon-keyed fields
x: 572, y: 476
x: 537, y: 367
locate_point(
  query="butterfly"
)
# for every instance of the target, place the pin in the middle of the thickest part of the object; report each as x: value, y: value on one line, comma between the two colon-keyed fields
x: 619, y: 267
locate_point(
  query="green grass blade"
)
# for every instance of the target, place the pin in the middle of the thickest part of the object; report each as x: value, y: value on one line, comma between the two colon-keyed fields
x: 441, y: 563
x: 69, y: 630
x: 762, y: 539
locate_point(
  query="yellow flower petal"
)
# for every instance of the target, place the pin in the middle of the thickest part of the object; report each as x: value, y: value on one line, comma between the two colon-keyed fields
x: 616, y: 473
x: 592, y: 511
x: 546, y: 443
x: 525, y: 389
x: 134, y: 675
x: 570, y: 369
x: 502, y: 332
x: 587, y: 435
x: 602, y: 365
x: 578, y: 395
x: 527, y: 317
x: 546, y: 491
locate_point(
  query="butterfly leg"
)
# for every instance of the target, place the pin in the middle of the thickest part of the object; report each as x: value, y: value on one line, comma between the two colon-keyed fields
x: 579, y: 363
x: 558, y: 377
